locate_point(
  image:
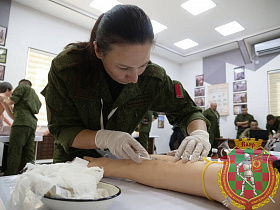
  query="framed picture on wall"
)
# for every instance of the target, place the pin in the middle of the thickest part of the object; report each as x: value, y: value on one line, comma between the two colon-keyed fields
x: 3, y: 55
x: 239, y: 73
x: 160, y: 121
x: 199, y: 91
x: 240, y: 97
x: 199, y: 101
x: 3, y: 34
x: 2, y: 72
x: 199, y: 79
x: 237, y: 109
x: 240, y: 86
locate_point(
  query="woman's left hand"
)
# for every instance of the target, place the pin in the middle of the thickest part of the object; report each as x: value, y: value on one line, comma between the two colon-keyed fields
x: 197, y: 145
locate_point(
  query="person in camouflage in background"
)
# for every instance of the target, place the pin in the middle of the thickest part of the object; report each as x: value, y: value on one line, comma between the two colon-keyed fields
x: 99, y: 91
x: 242, y: 121
x: 145, y: 128
x: 21, y: 143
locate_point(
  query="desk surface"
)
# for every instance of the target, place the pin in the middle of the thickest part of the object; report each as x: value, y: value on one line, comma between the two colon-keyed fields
x: 133, y: 196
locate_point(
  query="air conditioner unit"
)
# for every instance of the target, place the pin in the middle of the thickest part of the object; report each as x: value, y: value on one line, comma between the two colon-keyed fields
x: 268, y: 47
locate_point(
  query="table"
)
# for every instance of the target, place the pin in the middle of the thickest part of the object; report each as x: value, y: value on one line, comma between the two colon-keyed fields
x: 5, y: 139
x: 133, y: 196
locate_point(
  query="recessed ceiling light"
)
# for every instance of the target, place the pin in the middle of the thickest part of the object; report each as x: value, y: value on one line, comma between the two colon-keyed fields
x: 196, y: 7
x: 158, y: 27
x: 104, y: 5
x: 229, y: 28
x: 186, y: 44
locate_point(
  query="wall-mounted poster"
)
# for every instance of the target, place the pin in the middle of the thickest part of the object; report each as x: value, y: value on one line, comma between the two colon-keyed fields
x: 240, y: 97
x: 3, y: 55
x: 199, y: 101
x: 2, y: 72
x: 239, y: 73
x: 219, y: 94
x: 160, y: 121
x: 199, y: 91
x: 199, y: 80
x: 239, y: 86
x: 3, y: 32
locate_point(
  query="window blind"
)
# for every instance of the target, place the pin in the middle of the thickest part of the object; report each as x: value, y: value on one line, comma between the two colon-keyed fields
x: 38, y: 66
x: 274, y: 92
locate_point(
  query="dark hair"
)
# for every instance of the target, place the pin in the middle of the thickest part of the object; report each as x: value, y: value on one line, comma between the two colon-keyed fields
x: 4, y: 86
x: 25, y: 81
x: 123, y: 24
x: 254, y: 121
x: 269, y: 117
x: 244, y: 106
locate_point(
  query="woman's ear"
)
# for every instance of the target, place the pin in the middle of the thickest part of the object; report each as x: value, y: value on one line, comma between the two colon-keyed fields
x: 97, y: 53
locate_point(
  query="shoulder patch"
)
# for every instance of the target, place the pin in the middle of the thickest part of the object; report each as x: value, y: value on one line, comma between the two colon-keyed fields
x: 178, y: 89
x: 154, y: 70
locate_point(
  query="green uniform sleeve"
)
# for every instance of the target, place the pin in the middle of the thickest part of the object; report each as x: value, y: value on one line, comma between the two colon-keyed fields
x: 180, y: 109
x: 63, y: 117
x: 17, y: 94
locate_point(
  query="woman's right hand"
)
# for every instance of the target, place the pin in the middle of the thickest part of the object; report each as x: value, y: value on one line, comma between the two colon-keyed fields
x: 120, y: 144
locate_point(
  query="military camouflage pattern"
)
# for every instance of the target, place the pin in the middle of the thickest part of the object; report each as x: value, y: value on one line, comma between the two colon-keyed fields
x: 21, y: 142
x: 27, y: 104
x: 275, y: 127
x: 145, y: 128
x: 72, y: 108
x: 242, y: 118
x: 214, y: 131
x: 21, y: 148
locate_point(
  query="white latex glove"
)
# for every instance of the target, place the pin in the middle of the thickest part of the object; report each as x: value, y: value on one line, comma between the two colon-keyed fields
x: 270, y: 144
x: 120, y: 144
x: 197, y: 144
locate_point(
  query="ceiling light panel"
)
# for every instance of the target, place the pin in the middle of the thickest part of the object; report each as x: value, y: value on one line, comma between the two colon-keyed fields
x: 104, y: 5
x: 196, y: 7
x: 186, y: 44
x: 157, y: 27
x: 229, y: 28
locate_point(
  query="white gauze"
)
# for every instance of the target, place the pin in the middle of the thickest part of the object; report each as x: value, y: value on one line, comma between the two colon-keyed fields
x: 75, y: 178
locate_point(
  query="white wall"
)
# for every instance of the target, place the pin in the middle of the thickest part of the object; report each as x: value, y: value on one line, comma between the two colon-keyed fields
x: 162, y: 143
x: 31, y: 28
x: 257, y: 91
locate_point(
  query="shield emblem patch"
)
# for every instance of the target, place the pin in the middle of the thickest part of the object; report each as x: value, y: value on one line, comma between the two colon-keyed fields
x: 248, y: 179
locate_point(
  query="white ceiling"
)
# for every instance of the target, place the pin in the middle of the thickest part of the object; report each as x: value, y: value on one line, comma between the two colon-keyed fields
x: 260, y: 18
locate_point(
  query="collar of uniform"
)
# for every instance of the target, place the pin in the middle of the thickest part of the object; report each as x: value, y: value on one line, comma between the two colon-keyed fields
x: 128, y: 92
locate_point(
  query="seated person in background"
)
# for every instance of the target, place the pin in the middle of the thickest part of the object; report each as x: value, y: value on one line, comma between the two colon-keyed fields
x: 176, y: 138
x: 21, y: 143
x: 273, y: 123
x: 253, y: 126
x: 242, y: 120
x: 163, y: 173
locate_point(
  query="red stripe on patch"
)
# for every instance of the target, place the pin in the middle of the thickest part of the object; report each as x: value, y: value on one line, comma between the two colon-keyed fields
x: 179, y: 91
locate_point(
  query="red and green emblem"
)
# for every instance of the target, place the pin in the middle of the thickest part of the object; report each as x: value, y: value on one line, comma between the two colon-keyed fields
x: 248, y: 179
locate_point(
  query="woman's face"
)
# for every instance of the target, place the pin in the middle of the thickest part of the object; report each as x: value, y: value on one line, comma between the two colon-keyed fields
x: 125, y: 63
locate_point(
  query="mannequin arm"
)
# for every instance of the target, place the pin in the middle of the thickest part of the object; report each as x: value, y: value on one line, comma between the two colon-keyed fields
x: 163, y: 173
